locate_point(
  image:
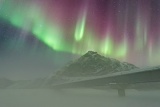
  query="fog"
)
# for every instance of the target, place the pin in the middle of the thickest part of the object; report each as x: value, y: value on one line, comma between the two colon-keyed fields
x: 27, y: 65
x: 77, y: 98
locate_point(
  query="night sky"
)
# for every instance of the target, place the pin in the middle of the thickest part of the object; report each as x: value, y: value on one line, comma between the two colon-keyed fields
x: 50, y: 33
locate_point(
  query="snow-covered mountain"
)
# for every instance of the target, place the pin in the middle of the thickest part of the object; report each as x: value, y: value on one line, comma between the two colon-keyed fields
x: 89, y: 65
x: 93, y: 64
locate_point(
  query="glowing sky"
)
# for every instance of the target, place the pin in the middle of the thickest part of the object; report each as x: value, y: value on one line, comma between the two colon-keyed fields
x: 128, y: 30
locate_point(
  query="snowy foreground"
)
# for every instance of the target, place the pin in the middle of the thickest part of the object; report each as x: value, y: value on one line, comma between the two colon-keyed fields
x: 77, y: 98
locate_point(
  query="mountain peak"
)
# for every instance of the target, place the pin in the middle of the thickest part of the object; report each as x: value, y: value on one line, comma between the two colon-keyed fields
x: 93, y: 64
x: 91, y: 53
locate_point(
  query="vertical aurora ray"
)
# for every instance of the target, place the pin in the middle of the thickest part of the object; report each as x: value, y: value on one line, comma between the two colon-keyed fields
x: 150, y: 52
x: 107, y: 48
x: 80, y: 27
x: 145, y: 36
x: 122, y: 49
x: 140, y: 35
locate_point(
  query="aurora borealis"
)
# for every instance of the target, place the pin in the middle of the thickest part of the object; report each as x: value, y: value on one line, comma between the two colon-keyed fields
x: 127, y: 30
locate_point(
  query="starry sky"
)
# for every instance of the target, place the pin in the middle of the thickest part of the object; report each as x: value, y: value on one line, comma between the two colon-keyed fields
x: 57, y: 31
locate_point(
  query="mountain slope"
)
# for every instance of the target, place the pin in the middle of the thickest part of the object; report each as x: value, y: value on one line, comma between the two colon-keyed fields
x: 89, y: 65
x: 93, y: 64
